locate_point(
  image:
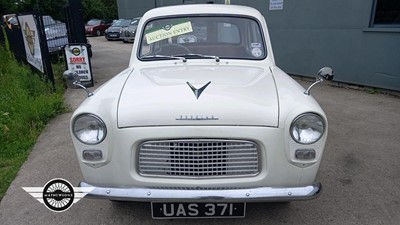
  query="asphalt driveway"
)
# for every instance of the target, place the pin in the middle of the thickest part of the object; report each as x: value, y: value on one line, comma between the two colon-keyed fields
x: 360, y: 170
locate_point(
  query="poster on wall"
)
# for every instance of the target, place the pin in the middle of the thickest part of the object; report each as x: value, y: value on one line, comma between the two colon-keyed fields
x: 275, y: 4
x: 31, y: 39
x: 77, y: 58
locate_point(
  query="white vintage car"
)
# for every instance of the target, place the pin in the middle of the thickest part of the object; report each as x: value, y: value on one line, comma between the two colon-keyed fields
x: 202, y: 121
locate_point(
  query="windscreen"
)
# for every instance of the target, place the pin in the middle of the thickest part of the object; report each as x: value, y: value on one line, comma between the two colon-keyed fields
x: 121, y: 23
x: 195, y: 36
x: 93, y: 22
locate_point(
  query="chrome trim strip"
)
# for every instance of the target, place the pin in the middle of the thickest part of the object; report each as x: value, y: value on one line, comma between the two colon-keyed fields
x: 196, y: 117
x: 257, y: 194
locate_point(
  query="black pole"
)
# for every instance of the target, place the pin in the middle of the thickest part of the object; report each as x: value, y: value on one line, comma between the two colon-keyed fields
x: 48, y: 69
x: 77, y: 25
x: 76, y: 30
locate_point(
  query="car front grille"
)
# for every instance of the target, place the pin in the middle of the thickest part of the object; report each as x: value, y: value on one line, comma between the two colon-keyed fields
x: 127, y: 33
x: 204, y: 158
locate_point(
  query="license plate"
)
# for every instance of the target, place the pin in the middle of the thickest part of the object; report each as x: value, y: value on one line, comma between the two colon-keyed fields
x: 162, y: 210
x: 113, y: 35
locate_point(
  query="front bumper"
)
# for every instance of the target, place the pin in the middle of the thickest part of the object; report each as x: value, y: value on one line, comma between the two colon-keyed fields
x: 258, y: 194
x: 91, y: 33
x: 128, y: 39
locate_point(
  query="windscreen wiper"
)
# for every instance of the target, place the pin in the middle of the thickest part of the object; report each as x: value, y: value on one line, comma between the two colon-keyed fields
x: 199, y: 55
x: 165, y: 57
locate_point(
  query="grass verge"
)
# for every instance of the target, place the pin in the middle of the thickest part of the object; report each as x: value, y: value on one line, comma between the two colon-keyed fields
x: 27, y: 103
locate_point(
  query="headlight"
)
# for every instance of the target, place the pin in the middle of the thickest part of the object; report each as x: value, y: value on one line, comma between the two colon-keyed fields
x: 89, y: 129
x: 307, y: 128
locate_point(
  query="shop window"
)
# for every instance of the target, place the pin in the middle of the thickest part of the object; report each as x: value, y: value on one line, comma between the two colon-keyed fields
x: 387, y: 13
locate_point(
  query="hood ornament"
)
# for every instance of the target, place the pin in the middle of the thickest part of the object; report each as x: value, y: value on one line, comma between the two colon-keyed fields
x: 197, y: 92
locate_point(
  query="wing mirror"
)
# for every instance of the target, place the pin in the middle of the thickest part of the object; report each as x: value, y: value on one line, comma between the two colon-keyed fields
x: 325, y: 73
x: 74, y: 81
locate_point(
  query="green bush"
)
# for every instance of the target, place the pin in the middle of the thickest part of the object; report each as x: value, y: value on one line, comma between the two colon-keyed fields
x: 27, y: 103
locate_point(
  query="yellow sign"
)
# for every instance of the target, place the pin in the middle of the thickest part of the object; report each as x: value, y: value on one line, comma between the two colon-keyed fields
x: 169, y: 31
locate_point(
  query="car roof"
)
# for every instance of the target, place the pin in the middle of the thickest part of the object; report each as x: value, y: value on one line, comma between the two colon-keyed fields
x: 202, y: 9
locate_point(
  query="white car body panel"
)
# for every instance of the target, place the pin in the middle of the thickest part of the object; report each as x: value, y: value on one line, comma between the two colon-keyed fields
x: 243, y: 96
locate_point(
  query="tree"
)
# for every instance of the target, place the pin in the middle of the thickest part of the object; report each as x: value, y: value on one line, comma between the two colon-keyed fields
x: 15, y: 6
x: 106, y: 9
x: 92, y: 8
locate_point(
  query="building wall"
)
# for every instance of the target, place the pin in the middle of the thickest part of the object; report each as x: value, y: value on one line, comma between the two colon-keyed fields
x: 128, y: 9
x: 309, y: 34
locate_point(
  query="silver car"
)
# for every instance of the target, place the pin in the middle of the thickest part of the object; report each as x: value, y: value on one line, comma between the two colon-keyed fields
x: 113, y: 32
x: 127, y: 34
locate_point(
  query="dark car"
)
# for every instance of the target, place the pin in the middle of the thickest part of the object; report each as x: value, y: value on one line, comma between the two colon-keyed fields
x: 128, y: 33
x: 97, y: 27
x: 114, y: 32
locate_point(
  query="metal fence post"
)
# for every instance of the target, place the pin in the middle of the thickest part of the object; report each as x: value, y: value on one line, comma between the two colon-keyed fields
x: 44, y: 48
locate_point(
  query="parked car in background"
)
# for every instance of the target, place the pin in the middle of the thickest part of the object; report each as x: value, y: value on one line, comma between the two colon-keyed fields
x: 97, y: 27
x: 202, y: 121
x: 128, y: 33
x: 13, y: 21
x: 56, y: 34
x: 114, y: 31
x: 10, y: 20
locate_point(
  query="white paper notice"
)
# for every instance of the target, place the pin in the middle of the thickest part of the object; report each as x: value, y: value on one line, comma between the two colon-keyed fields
x: 275, y: 4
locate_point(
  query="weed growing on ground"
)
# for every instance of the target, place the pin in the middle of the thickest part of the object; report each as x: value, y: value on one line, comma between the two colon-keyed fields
x: 27, y: 103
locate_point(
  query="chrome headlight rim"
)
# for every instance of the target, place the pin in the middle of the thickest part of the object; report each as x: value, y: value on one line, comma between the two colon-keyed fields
x: 100, y: 122
x: 301, y: 116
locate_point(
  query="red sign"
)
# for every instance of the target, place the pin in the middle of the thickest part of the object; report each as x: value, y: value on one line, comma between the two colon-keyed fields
x: 77, y: 60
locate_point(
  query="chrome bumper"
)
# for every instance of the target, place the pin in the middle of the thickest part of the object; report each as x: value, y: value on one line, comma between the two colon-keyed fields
x: 259, y: 194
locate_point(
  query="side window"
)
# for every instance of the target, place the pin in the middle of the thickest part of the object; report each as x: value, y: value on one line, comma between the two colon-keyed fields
x: 255, y: 44
x: 146, y: 48
x: 200, y: 31
x: 228, y: 33
x: 386, y: 14
x: 254, y: 33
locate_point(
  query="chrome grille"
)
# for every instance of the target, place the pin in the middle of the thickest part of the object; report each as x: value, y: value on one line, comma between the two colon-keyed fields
x: 198, y: 158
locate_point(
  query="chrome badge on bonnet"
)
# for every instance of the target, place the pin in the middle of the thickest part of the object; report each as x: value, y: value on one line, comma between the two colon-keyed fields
x: 196, y: 117
x: 197, y: 92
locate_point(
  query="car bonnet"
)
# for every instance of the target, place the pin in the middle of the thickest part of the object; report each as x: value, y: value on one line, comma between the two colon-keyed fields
x: 199, y: 95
